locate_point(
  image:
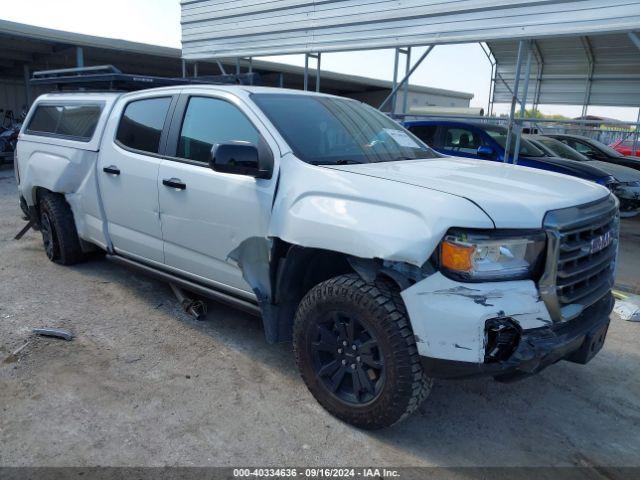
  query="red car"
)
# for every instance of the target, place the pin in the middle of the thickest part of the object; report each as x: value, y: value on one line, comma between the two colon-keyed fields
x: 625, y: 147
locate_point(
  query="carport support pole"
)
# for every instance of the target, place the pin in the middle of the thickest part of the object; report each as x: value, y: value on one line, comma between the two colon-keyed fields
x: 514, y: 99
x: 523, y: 104
x: 79, y: 57
x: 405, y: 97
x: 27, y: 87
x: 635, y: 136
x: 491, y: 87
x: 406, y: 78
x: 318, y: 73
x: 306, y: 71
x: 184, y: 68
x: 396, y: 60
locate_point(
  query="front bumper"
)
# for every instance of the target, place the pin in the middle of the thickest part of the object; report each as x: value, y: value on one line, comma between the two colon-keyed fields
x: 453, y: 324
x: 578, y: 340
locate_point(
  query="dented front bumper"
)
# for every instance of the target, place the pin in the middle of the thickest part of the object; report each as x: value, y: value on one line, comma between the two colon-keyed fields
x: 451, y: 321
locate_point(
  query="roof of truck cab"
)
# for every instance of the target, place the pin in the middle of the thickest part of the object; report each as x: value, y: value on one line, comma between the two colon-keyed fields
x: 247, y: 89
x: 79, y: 96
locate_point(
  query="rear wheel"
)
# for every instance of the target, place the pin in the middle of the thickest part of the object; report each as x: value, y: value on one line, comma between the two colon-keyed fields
x: 356, y: 352
x: 59, y: 234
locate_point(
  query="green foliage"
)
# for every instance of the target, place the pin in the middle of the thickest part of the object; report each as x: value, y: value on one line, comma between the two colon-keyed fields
x: 534, y: 113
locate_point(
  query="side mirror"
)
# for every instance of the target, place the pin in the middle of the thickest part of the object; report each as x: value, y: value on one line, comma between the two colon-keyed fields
x: 239, y: 158
x: 485, y: 151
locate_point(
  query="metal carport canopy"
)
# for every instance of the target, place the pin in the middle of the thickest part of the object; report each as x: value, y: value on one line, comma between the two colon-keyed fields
x: 601, y: 70
x: 233, y: 28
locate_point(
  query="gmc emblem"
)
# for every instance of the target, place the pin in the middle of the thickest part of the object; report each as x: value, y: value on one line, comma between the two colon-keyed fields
x: 601, y: 242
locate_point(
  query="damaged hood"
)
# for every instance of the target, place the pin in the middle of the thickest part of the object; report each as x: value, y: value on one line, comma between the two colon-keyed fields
x: 620, y: 172
x: 513, y: 196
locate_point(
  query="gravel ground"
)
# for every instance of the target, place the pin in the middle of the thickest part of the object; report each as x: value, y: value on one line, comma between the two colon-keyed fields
x: 145, y: 385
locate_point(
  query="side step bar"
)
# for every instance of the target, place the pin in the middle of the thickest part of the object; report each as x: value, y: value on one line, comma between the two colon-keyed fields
x: 188, y: 285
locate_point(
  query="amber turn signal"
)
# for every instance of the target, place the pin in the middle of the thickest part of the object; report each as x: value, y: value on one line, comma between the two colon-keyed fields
x: 456, y: 257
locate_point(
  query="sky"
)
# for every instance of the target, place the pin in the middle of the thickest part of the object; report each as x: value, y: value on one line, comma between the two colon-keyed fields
x: 457, y: 67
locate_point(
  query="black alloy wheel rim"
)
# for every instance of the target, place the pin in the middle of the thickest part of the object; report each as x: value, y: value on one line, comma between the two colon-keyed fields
x: 47, y: 234
x: 347, y: 359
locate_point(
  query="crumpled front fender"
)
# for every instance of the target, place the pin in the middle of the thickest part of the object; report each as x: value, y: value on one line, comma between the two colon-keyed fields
x: 365, y: 216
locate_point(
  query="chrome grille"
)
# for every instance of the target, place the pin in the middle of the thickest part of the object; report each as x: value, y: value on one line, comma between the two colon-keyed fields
x: 581, y: 255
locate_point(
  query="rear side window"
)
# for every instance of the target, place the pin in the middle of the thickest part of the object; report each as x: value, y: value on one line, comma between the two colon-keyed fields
x: 426, y: 133
x: 77, y: 122
x: 142, y: 122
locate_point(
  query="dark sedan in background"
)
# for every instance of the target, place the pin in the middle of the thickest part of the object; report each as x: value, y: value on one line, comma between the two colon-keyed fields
x: 627, y: 186
x: 597, y: 150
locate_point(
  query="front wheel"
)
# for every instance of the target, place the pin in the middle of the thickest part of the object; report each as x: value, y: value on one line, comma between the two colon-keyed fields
x: 356, y: 352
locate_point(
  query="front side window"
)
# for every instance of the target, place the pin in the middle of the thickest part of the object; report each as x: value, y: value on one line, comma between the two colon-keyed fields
x: 582, y: 148
x: 461, y: 140
x: 330, y: 130
x: 71, y: 121
x: 142, y: 122
x: 209, y: 122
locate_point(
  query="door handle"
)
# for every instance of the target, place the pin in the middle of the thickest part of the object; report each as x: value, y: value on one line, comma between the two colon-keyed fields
x: 112, y: 169
x: 174, y: 183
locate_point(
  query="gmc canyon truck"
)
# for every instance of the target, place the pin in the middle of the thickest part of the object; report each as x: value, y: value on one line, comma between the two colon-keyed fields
x: 386, y: 263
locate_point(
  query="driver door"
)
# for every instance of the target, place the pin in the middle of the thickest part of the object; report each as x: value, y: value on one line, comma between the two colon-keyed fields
x: 207, y: 214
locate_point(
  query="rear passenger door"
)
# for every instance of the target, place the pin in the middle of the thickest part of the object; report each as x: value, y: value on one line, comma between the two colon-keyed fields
x: 210, y: 213
x: 128, y: 175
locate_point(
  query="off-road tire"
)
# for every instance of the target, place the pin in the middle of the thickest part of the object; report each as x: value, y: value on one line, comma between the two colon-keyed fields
x: 380, y: 306
x: 58, y: 227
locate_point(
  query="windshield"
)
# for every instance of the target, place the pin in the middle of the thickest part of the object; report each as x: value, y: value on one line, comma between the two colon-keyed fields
x: 527, y: 149
x: 327, y: 130
x: 561, y: 149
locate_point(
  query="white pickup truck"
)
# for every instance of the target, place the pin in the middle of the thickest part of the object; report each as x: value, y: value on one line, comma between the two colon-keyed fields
x: 386, y: 263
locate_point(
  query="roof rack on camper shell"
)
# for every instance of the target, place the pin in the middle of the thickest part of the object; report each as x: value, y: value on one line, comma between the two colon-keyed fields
x: 108, y: 77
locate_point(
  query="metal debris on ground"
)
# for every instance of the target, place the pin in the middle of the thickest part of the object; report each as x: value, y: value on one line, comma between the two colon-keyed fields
x: 13, y: 357
x: 627, y: 307
x: 54, y: 332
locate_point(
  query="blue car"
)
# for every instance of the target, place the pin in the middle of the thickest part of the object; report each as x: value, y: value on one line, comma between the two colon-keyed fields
x: 487, y: 142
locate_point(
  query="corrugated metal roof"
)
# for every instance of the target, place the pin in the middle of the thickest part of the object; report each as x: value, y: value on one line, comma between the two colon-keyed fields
x: 561, y: 69
x: 229, y: 28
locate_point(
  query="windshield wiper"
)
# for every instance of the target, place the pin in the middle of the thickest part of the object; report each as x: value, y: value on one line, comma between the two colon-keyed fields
x: 335, y: 162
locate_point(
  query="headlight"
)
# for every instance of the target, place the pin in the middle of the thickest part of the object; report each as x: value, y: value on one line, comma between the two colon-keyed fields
x: 491, y: 255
